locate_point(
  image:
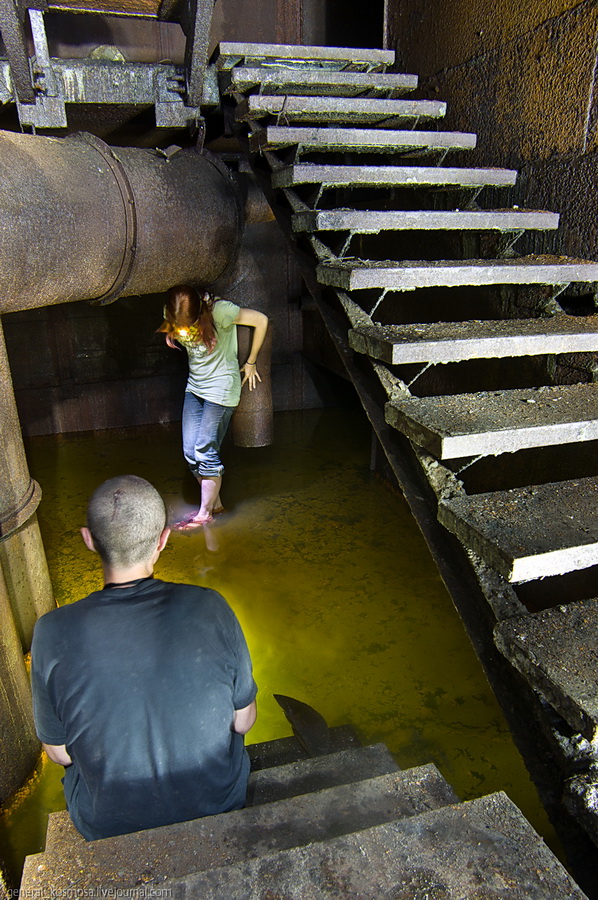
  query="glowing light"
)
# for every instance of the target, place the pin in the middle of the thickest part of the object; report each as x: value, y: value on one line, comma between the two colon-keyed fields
x: 183, y: 332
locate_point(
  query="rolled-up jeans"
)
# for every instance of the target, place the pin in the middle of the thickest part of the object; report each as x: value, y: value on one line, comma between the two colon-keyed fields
x: 204, y: 427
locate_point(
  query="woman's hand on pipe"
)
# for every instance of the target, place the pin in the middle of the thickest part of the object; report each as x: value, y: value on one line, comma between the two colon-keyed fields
x: 250, y: 375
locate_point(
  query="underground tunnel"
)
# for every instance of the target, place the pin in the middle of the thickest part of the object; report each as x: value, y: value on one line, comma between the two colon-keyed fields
x: 141, y: 159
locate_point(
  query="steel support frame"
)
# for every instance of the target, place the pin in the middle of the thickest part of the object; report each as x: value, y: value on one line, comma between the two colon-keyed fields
x: 523, y: 709
x: 39, y: 88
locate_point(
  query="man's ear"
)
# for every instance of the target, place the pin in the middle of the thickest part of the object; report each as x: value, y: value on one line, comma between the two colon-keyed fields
x: 87, y: 539
x: 163, y: 539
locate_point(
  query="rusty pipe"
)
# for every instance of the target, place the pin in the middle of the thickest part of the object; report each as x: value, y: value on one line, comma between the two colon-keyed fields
x: 86, y: 221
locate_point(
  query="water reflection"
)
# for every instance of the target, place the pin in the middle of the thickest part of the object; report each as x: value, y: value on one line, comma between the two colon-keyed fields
x: 333, y: 584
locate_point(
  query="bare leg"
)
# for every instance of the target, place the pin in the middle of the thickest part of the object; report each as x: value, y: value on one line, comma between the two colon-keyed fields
x: 210, y: 496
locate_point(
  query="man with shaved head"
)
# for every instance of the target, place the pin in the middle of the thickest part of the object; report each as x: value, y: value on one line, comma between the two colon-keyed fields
x: 142, y: 690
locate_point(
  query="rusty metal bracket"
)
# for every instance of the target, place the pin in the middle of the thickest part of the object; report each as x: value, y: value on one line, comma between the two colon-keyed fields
x: 15, y: 41
x: 128, y: 200
x: 196, y: 25
x: 12, y: 520
x: 48, y: 110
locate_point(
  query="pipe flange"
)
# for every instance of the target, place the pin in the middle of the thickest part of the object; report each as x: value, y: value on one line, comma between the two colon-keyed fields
x: 12, y: 520
x: 128, y: 198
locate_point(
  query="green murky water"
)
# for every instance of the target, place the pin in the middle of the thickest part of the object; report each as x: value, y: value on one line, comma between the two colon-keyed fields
x: 333, y: 584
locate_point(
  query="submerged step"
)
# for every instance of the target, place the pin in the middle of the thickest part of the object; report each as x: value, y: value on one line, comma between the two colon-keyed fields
x: 407, y: 275
x: 373, y: 221
x: 339, y: 110
x: 359, y: 140
x: 230, y: 53
x: 391, y: 176
x: 316, y: 82
x: 482, y: 848
x: 444, y: 342
x: 280, y: 751
x: 529, y: 532
x: 496, y: 422
x: 306, y: 776
x: 557, y: 652
x: 174, y: 851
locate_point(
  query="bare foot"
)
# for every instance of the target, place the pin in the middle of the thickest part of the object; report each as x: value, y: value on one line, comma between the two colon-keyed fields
x: 193, y: 521
x: 202, y: 519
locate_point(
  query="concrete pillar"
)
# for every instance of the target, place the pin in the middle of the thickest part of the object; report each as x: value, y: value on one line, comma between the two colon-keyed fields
x: 252, y: 422
x: 22, y: 559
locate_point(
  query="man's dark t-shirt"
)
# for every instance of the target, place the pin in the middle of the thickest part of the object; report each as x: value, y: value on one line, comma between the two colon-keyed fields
x: 141, y: 684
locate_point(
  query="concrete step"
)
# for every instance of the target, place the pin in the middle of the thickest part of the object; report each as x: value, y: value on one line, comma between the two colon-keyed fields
x: 391, y: 176
x: 374, y: 221
x: 339, y: 110
x: 406, y: 275
x: 483, y: 848
x: 175, y: 851
x: 358, y: 140
x: 444, y: 342
x: 556, y: 651
x: 306, y: 776
x: 231, y: 53
x: 530, y: 532
x: 315, y: 82
x: 496, y: 422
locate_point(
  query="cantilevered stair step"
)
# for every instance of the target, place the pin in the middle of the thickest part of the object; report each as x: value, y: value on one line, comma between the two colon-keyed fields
x: 338, y: 110
x: 178, y: 850
x: 400, y: 275
x: 358, y: 140
x: 531, y: 532
x: 391, y: 176
x: 479, y: 849
x: 372, y: 221
x: 557, y: 652
x: 496, y: 422
x: 447, y: 342
x: 315, y: 82
x: 229, y: 54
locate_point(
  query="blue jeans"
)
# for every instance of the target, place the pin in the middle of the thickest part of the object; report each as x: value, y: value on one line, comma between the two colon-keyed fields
x: 204, y: 427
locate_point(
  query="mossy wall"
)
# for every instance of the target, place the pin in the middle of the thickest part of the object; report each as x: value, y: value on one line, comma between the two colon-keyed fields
x: 523, y: 76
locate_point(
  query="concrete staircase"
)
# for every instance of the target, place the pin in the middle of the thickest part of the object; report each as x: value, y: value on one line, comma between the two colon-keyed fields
x: 356, y: 176
x: 346, y: 824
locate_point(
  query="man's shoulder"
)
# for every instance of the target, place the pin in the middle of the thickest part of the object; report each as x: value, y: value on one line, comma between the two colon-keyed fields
x: 63, y: 613
x: 192, y: 593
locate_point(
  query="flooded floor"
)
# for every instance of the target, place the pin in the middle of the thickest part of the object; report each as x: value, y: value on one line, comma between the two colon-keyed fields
x: 331, y: 580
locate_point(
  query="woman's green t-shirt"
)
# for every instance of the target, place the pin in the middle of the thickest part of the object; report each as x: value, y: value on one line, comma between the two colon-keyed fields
x: 215, y: 376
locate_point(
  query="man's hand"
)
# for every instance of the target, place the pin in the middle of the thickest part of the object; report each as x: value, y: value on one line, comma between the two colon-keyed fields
x: 245, y: 718
x: 58, y: 754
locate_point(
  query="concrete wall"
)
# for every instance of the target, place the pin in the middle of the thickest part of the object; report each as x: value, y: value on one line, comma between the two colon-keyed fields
x: 522, y: 75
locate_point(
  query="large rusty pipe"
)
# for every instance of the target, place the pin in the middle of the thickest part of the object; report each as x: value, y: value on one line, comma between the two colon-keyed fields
x: 19, y: 747
x: 84, y: 221
x: 25, y: 591
x: 22, y: 557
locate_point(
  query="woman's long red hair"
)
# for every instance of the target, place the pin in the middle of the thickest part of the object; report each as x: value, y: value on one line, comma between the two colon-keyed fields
x: 186, y: 307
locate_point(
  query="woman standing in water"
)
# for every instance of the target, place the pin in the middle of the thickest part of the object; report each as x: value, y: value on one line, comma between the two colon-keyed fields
x: 206, y: 327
